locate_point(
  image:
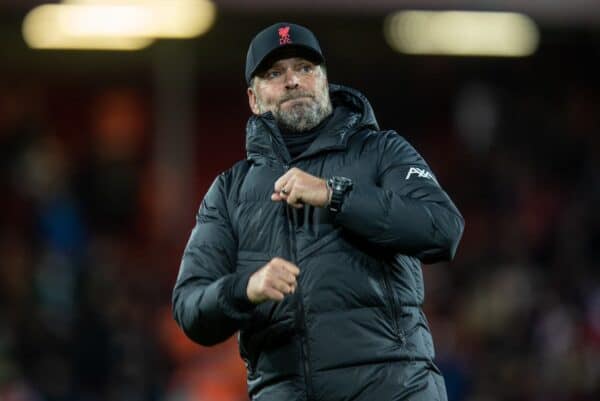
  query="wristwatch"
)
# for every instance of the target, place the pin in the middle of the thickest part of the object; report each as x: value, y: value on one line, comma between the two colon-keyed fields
x: 339, y: 187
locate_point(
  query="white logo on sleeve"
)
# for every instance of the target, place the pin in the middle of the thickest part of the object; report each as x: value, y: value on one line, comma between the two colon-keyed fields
x: 421, y: 173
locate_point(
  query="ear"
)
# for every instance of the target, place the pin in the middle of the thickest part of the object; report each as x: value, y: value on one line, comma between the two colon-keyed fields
x: 252, y: 101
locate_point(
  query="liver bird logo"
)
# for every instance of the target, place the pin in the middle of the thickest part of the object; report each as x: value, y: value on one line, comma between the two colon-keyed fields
x: 284, y: 35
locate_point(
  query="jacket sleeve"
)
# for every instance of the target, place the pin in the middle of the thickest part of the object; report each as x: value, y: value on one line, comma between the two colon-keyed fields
x: 405, y: 210
x: 204, y: 301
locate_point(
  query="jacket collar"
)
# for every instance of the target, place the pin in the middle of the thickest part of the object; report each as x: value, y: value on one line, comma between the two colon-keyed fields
x: 352, y: 112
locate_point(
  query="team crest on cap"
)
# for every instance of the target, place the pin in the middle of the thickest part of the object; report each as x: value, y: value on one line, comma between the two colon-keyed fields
x: 284, y: 35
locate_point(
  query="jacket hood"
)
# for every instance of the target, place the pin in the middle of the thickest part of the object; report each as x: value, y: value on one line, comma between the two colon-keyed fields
x: 352, y: 112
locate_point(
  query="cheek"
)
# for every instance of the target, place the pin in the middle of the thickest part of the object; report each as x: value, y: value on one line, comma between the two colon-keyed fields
x: 323, y: 84
x: 268, y: 99
x: 320, y: 90
x: 318, y: 85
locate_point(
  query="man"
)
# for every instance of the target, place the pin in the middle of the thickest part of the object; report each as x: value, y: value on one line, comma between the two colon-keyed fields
x: 311, y: 248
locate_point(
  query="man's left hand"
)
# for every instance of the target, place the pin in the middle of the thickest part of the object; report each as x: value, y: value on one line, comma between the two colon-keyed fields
x: 297, y: 188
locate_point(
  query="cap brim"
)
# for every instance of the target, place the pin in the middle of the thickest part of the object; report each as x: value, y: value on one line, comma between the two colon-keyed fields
x: 288, y: 51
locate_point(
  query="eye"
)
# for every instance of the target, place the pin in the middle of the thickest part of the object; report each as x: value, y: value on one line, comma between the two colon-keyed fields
x: 272, y: 74
x: 306, y: 68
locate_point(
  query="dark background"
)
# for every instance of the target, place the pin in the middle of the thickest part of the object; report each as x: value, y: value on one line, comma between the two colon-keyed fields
x: 105, y: 157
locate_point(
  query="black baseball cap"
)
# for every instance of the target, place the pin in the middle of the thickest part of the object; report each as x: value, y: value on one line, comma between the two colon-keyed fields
x: 281, y: 40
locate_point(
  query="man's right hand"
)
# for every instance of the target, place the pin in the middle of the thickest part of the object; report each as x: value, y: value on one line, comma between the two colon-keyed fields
x: 273, y: 281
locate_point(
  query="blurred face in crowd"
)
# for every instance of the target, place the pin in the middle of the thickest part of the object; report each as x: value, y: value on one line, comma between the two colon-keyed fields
x: 295, y: 90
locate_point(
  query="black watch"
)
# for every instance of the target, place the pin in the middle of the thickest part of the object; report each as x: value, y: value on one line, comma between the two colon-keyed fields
x: 339, y: 187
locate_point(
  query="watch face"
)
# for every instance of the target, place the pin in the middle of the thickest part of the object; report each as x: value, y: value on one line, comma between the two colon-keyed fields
x: 341, y: 182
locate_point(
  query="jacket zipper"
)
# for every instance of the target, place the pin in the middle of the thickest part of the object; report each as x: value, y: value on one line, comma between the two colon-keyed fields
x: 393, y: 306
x: 301, y: 318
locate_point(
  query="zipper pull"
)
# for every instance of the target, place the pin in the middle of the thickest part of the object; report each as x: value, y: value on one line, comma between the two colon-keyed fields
x: 402, y: 337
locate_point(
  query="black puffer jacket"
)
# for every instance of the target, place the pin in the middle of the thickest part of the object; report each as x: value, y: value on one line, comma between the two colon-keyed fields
x: 356, y: 319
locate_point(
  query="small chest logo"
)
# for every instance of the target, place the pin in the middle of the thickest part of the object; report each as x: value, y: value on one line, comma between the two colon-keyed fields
x: 284, y: 35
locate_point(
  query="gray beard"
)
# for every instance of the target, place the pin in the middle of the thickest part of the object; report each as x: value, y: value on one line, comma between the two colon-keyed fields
x: 303, y: 117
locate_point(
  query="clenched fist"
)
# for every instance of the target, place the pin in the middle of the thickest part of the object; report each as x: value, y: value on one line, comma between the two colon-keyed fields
x: 273, y: 281
x: 297, y: 188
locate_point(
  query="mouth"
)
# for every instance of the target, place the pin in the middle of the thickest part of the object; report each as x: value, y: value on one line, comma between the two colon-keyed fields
x: 297, y: 98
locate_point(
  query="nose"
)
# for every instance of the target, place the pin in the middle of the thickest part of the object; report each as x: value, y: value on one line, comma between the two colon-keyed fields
x: 291, y: 79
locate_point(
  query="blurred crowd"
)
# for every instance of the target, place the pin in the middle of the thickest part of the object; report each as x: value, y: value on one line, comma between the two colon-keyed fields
x: 86, y: 276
